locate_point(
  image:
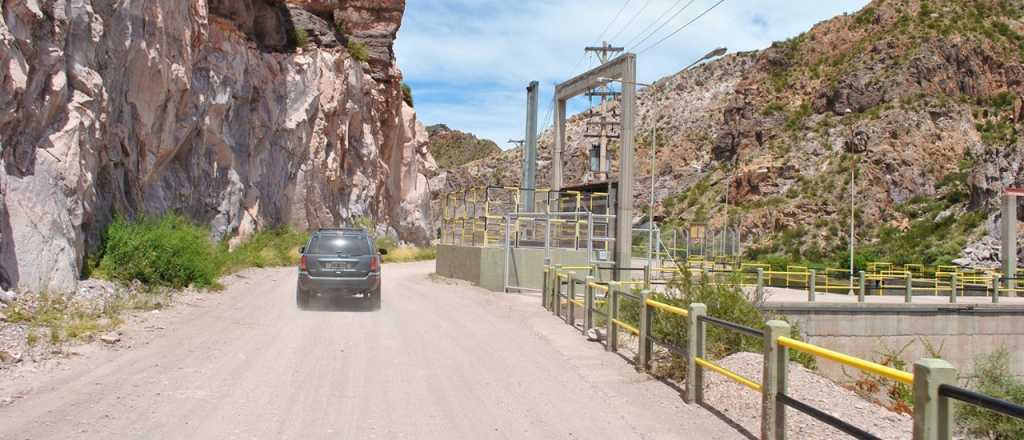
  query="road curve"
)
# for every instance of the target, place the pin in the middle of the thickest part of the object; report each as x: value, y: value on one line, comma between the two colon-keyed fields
x: 439, y: 360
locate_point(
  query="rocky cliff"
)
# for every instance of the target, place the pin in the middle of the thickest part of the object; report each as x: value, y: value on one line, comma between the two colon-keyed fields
x: 241, y: 114
x: 929, y: 93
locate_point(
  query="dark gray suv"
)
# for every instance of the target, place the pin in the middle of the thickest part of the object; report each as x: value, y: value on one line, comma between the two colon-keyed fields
x: 338, y: 264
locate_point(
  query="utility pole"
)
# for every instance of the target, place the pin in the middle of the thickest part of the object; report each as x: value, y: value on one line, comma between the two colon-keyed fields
x: 603, y: 53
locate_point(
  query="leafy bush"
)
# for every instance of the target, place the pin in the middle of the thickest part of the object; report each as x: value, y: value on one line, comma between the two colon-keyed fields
x: 169, y: 251
x: 407, y: 94
x: 407, y: 254
x: 994, y: 379
x: 299, y: 37
x: 723, y: 302
x: 268, y: 248
x: 358, y: 51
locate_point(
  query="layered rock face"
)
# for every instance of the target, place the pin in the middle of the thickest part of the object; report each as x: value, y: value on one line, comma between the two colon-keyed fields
x: 198, y: 107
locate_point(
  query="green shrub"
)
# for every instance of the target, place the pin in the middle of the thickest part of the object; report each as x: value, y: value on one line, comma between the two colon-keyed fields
x: 407, y: 94
x: 169, y: 251
x: 994, y: 379
x: 723, y: 302
x: 358, y: 51
x: 268, y: 248
x: 299, y: 37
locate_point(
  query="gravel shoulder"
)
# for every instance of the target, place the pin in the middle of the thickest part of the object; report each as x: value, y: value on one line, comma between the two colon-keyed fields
x: 440, y: 360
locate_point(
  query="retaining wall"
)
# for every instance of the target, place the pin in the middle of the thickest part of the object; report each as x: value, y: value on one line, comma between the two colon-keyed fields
x: 957, y: 333
x: 485, y: 266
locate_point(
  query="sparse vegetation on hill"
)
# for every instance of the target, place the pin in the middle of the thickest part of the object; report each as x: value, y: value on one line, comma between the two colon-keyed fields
x: 453, y: 148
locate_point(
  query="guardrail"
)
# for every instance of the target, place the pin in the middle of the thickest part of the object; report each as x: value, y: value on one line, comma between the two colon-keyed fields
x: 933, y: 381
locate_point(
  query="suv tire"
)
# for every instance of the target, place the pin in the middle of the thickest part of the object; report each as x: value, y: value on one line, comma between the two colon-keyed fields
x: 301, y: 299
x: 375, y: 299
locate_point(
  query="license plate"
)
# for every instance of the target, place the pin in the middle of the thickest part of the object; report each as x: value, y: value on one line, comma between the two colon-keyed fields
x: 337, y: 265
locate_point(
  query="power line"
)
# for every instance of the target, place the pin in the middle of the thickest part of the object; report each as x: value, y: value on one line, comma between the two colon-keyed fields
x: 680, y: 29
x: 616, y: 18
x: 660, y: 27
x: 631, y: 20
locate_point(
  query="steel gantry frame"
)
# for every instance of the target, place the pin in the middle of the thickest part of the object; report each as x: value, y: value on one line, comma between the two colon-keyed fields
x: 622, y: 68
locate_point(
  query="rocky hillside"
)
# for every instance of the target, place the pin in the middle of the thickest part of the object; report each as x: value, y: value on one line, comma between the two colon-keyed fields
x: 929, y: 91
x: 241, y: 114
x: 453, y: 148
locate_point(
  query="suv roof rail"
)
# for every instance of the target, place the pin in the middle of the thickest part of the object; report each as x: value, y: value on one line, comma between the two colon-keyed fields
x: 342, y: 229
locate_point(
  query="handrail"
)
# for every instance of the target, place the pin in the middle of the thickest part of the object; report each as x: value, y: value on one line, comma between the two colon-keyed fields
x: 733, y: 326
x: 598, y: 286
x: 667, y: 308
x: 863, y: 365
x: 626, y: 326
x: 577, y: 267
x: 740, y: 379
x: 988, y: 402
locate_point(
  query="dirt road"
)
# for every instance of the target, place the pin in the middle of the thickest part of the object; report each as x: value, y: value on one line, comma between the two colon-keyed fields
x: 438, y: 361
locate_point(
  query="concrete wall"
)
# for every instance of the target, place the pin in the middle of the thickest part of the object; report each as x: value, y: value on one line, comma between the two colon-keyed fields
x: 485, y: 267
x: 871, y: 331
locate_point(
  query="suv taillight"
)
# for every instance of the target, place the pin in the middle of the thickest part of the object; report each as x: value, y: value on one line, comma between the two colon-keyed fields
x: 375, y: 263
x: 302, y: 264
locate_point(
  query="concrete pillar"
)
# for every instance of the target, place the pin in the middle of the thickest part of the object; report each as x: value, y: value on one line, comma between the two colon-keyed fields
x: 695, y: 348
x: 530, y: 155
x: 773, y: 414
x: 908, y: 295
x: 556, y: 155
x: 933, y: 415
x: 588, y: 304
x: 647, y: 276
x: 860, y: 286
x: 952, y: 288
x: 812, y: 282
x: 627, y: 137
x: 760, y: 285
x: 1009, y: 236
x: 646, y: 347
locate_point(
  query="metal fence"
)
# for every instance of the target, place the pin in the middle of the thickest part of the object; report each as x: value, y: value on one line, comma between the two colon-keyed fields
x: 933, y: 381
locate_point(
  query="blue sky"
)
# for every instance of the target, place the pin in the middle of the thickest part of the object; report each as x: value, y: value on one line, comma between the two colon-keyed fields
x: 469, y: 61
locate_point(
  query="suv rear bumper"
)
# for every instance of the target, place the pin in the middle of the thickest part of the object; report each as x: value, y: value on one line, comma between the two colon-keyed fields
x: 330, y: 286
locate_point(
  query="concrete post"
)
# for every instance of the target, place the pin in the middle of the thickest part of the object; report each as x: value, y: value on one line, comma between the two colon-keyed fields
x: 544, y: 286
x: 707, y: 275
x: 1009, y: 242
x: 570, y: 315
x: 908, y: 295
x: 995, y: 289
x: 646, y: 347
x: 556, y: 293
x: 612, y: 332
x: 588, y: 304
x: 933, y: 415
x: 860, y: 286
x: 812, y: 284
x: 647, y: 276
x: 760, y: 286
x: 694, y: 349
x: 952, y: 288
x: 773, y: 414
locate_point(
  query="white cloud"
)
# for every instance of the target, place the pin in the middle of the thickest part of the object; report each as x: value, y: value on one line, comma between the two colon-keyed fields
x: 469, y: 61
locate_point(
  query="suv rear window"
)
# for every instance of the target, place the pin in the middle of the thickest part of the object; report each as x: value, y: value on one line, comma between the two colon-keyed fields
x: 350, y: 245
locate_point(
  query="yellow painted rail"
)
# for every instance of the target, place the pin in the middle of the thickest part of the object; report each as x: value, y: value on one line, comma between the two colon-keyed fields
x: 578, y: 302
x: 667, y: 308
x: 577, y: 267
x: 740, y: 379
x: 598, y: 286
x: 858, y: 363
x: 627, y: 327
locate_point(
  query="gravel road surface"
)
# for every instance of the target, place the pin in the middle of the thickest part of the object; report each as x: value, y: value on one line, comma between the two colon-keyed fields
x: 439, y: 360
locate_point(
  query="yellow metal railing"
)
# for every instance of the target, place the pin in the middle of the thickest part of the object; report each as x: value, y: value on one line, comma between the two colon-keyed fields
x: 736, y: 377
x: 667, y: 308
x: 626, y: 326
x: 858, y: 363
